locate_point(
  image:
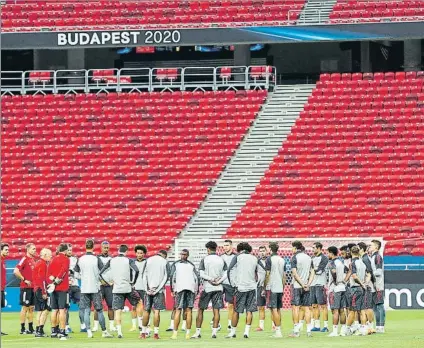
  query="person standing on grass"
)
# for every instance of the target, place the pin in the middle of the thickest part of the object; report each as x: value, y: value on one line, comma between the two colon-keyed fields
x: 228, y: 257
x: 106, y: 288
x: 58, y: 275
x: 212, y: 270
x: 184, y: 286
x: 156, y: 273
x: 139, y: 287
x: 4, y: 253
x: 245, y: 287
x: 261, y: 291
x: 23, y: 271
x: 124, y: 274
x: 377, y: 263
x: 275, y: 280
x: 89, y: 266
x: 40, y: 290
x: 318, y: 294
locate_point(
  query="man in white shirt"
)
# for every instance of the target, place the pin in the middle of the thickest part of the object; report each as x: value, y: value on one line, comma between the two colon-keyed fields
x: 88, y: 266
x: 156, y: 274
x: 275, y: 279
x: 184, y: 286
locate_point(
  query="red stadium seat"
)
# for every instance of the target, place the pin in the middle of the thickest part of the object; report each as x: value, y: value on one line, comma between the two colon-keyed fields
x: 115, y: 166
x: 343, y: 159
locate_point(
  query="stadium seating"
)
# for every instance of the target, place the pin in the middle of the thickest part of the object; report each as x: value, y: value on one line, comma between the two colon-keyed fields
x: 346, y: 11
x: 58, y: 15
x: 352, y: 166
x: 128, y: 168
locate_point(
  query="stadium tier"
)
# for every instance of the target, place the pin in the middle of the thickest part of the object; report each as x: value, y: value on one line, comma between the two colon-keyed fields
x: 353, y: 166
x: 346, y: 11
x: 114, y: 166
x: 85, y: 15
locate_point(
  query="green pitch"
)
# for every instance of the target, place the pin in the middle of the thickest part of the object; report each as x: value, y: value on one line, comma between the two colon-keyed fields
x: 405, y: 329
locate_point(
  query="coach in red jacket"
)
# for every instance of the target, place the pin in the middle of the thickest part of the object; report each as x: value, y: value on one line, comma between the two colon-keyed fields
x: 58, y: 274
x: 23, y: 271
x: 4, y: 253
x: 40, y: 281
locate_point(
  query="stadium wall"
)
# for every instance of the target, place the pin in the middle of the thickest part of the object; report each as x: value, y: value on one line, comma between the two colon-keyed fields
x: 212, y: 36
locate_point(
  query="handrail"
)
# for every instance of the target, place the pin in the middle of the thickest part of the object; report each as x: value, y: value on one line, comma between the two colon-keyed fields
x: 137, y: 79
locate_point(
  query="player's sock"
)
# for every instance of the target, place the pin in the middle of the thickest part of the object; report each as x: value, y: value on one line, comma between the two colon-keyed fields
x: 171, y: 326
x: 188, y: 332
x: 156, y: 330
x: 23, y: 327
x: 343, y: 329
x: 355, y: 325
x: 119, y: 328
x: 278, y: 330
x: 184, y: 325
x: 140, y: 321
x: 317, y: 323
x: 363, y: 330
x: 134, y: 322
x: 96, y: 325
x: 247, y: 330
x: 326, y: 324
x: 335, y: 328
x: 83, y: 327
x: 309, y: 327
x: 229, y: 323
x: 214, y: 331
x: 233, y: 330
x: 31, y: 326
x: 296, y: 328
x: 301, y: 323
x: 262, y: 324
x: 198, y: 330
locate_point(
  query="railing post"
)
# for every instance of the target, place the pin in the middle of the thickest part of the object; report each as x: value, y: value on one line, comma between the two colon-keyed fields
x: 182, y: 79
x: 246, y: 78
x: 55, y: 82
x: 118, y: 85
x: 86, y: 89
x: 215, y: 86
x: 23, y: 83
x: 151, y: 79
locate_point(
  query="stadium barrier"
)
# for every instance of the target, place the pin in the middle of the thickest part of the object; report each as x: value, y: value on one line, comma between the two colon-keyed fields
x: 142, y: 79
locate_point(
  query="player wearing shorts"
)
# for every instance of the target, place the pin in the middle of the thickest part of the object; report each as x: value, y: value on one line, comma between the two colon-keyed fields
x: 261, y: 300
x: 58, y: 275
x: 275, y: 280
x: 318, y: 293
x: 39, y: 277
x: 23, y: 271
x: 156, y: 273
x: 336, y: 290
x: 124, y: 274
x: 212, y: 270
x: 377, y: 263
x: 4, y: 253
x: 347, y: 261
x: 245, y: 287
x: 139, y: 287
x: 106, y: 288
x: 302, y: 279
x: 88, y: 266
x: 74, y: 291
x: 370, y: 288
x: 228, y: 257
x: 357, y: 285
x: 184, y: 281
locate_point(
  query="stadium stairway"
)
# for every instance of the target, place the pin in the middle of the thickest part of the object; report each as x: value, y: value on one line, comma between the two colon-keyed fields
x: 316, y: 11
x: 249, y: 163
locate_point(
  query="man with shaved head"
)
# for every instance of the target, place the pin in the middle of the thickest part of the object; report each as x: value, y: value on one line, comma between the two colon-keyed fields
x: 40, y: 280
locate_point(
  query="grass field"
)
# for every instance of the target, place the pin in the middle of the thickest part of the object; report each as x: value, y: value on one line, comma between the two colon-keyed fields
x: 404, y: 329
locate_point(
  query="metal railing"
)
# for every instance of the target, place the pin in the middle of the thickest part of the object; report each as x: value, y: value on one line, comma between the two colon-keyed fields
x: 139, y: 79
